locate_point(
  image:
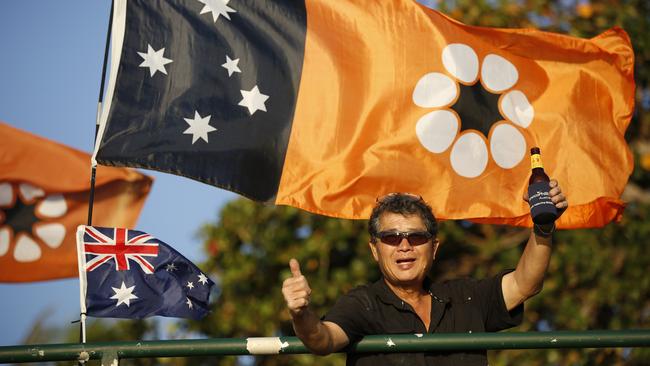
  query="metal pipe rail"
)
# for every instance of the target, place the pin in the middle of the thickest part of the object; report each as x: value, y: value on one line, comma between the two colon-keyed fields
x: 108, y: 351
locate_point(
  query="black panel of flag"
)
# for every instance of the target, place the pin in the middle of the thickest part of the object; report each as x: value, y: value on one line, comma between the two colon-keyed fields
x: 206, y: 91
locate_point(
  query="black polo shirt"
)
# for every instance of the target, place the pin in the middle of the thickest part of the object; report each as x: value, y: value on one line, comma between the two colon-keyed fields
x: 457, y: 306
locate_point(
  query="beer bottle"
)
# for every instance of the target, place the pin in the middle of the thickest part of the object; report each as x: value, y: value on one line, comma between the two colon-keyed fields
x: 542, y: 209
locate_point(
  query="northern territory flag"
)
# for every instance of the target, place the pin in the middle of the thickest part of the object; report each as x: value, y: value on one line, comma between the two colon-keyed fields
x: 325, y: 105
x: 44, y: 191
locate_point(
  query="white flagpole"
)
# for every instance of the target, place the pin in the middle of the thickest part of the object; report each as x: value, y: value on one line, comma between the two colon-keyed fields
x: 81, y: 257
x: 98, y: 115
x: 116, y: 34
x: 83, y: 284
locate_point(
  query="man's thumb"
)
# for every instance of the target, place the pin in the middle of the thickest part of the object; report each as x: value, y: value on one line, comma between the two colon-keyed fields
x: 295, y: 267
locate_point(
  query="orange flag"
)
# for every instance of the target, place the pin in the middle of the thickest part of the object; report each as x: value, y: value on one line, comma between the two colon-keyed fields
x: 395, y: 97
x: 44, y: 191
x: 358, y: 98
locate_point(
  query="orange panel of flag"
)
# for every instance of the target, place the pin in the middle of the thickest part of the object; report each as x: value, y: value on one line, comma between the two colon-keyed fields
x: 395, y: 97
x: 44, y: 192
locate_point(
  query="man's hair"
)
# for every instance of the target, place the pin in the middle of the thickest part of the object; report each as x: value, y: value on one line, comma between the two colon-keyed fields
x: 404, y: 204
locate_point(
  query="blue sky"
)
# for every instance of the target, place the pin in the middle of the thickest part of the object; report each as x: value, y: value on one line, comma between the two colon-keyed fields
x: 50, y: 69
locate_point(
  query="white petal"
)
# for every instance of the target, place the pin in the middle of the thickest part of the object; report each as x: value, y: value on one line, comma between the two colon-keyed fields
x: 26, y: 249
x: 516, y: 108
x: 434, y: 90
x: 5, y: 238
x: 52, y: 234
x: 507, y: 145
x: 52, y: 206
x: 436, y: 130
x: 498, y: 74
x: 461, y: 61
x: 29, y: 192
x: 6, y: 194
x: 469, y: 155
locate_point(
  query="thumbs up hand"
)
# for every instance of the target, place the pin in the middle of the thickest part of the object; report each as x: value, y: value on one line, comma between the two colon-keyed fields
x: 296, y: 289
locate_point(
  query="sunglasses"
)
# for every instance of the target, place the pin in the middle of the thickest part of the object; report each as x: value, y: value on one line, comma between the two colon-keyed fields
x: 413, y: 237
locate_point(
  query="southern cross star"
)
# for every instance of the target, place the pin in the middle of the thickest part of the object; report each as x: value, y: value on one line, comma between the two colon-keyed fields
x: 253, y: 100
x: 231, y: 65
x: 199, y: 127
x: 154, y: 60
x: 217, y: 7
x: 203, y: 279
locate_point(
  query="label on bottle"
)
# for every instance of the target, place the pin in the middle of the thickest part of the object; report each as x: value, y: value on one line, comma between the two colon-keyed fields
x: 542, y: 209
x: 536, y: 161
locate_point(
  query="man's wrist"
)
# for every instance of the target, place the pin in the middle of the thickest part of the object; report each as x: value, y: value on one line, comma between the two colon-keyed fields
x: 545, y: 231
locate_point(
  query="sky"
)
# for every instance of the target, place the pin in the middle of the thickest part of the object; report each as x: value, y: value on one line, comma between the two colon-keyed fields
x: 51, y: 55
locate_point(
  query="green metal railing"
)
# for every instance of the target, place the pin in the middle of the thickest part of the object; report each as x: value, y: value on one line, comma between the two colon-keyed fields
x: 112, y: 351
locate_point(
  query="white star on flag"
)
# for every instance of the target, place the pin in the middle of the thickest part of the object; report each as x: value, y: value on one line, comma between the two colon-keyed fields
x: 124, y: 295
x: 203, y: 279
x: 217, y: 7
x: 231, y: 65
x: 190, y: 285
x: 253, y: 100
x: 154, y: 60
x: 170, y: 267
x: 199, y: 127
x: 188, y: 302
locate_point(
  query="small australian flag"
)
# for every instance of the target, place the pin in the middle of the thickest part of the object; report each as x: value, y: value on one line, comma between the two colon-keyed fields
x: 130, y: 274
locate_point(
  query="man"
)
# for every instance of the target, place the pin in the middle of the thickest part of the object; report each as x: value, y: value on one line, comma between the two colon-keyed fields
x: 403, y: 241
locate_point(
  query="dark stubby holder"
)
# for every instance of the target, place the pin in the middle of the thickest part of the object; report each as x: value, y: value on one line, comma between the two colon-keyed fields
x: 542, y: 209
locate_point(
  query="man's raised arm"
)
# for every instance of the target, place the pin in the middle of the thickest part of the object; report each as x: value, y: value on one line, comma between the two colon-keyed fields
x: 527, y: 279
x: 320, y: 337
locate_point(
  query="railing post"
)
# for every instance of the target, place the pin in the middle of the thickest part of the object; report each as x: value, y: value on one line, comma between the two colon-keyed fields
x: 110, y: 352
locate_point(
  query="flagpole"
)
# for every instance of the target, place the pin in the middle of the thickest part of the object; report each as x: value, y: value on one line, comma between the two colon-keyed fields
x: 93, y: 172
x: 81, y: 266
x: 93, y: 166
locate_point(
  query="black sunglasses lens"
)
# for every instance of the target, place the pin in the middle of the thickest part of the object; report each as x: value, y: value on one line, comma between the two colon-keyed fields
x: 396, y: 238
x: 418, y: 238
x: 391, y: 239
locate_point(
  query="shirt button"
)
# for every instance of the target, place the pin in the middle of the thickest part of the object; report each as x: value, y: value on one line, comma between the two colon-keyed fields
x: 469, y: 298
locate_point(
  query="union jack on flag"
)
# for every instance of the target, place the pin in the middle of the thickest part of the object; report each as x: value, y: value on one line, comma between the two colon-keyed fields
x: 119, y: 247
x: 162, y: 283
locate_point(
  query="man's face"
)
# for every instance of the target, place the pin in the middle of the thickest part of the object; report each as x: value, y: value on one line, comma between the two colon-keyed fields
x: 403, y: 265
